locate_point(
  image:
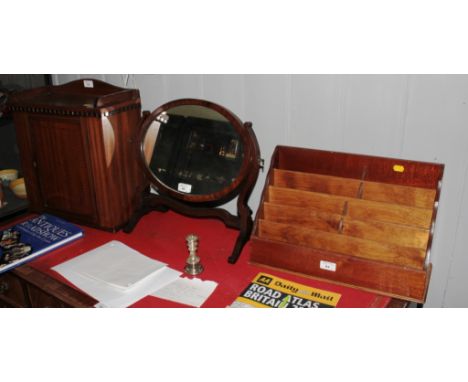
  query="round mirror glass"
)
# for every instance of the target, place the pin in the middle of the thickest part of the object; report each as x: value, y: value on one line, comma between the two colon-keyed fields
x: 193, y: 149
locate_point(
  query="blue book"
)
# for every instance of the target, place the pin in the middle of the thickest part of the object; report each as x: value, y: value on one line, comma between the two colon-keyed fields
x: 34, y: 237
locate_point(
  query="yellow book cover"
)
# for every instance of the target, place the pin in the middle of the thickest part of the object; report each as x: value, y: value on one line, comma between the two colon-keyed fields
x: 267, y: 291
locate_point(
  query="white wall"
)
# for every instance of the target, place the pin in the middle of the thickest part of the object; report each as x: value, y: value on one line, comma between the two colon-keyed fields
x: 419, y: 117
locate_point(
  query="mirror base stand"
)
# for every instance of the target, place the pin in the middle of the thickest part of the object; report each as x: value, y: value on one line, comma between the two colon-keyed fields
x: 243, y: 222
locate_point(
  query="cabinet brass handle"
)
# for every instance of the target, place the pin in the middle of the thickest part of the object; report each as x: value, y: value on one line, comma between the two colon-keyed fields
x: 4, y: 287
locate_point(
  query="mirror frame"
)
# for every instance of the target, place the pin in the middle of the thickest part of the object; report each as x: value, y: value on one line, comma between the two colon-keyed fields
x: 216, y: 198
x: 203, y: 206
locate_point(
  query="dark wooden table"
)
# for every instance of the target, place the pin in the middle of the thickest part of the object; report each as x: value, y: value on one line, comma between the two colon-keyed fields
x: 162, y: 236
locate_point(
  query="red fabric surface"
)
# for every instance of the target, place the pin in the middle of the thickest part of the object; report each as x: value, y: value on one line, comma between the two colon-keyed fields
x: 162, y: 237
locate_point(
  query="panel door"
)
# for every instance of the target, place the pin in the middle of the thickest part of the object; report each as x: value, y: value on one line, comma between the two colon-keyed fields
x: 63, y: 168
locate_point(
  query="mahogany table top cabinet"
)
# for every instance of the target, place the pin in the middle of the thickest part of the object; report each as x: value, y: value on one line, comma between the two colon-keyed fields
x: 352, y: 219
x: 161, y: 236
x: 77, y: 147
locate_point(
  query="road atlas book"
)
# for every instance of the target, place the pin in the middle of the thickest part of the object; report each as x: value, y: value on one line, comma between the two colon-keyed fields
x: 267, y: 291
x: 34, y: 237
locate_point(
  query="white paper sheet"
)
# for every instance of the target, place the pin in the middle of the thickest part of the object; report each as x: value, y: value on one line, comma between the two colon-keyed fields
x: 116, y: 275
x: 193, y: 292
x: 112, y: 297
x: 114, y: 263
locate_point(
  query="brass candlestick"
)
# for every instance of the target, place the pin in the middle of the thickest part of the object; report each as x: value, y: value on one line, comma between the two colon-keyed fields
x: 193, y: 266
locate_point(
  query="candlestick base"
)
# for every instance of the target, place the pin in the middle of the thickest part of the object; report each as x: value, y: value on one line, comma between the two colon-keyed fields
x: 193, y: 269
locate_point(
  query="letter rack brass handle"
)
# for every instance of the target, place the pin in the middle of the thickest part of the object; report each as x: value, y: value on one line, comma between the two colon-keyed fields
x: 4, y: 287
